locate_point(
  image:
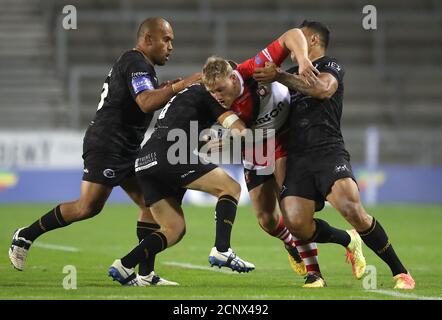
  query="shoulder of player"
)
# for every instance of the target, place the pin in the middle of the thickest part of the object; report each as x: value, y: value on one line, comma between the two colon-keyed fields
x: 328, y: 61
x: 132, y: 56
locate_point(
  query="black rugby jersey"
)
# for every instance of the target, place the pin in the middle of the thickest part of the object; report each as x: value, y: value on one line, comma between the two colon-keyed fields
x: 194, y: 104
x: 119, y: 124
x: 314, y: 123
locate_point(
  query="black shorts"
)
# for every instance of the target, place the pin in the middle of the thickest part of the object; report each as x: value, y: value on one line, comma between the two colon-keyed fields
x: 254, y: 180
x: 107, y: 169
x: 312, y: 176
x: 159, y: 179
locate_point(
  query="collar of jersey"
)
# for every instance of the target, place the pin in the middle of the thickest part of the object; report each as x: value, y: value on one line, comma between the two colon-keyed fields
x: 241, y: 82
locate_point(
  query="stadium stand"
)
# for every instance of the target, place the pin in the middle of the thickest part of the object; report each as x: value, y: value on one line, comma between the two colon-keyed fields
x: 393, y: 74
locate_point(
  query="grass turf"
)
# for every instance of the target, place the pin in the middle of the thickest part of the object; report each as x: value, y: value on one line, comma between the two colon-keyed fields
x: 414, y: 231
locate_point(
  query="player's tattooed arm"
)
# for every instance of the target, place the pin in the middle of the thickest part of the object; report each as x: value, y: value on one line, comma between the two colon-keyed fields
x: 152, y: 100
x: 323, y: 88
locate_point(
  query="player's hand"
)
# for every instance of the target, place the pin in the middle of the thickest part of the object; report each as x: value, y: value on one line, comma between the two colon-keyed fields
x: 169, y: 82
x: 215, y: 145
x: 188, y: 81
x: 267, y: 74
x: 194, y: 78
x: 307, y: 72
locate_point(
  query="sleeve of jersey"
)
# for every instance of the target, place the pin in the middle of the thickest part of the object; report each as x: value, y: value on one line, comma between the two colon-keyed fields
x: 273, y: 53
x: 139, y: 78
x: 333, y: 68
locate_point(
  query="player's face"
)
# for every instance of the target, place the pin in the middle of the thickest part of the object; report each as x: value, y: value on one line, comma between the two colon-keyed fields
x: 162, y: 41
x: 225, y: 91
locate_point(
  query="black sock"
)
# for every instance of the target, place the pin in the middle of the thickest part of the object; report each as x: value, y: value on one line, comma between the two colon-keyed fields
x: 151, y: 245
x: 377, y: 240
x: 143, y: 230
x: 225, y: 213
x: 50, y: 221
x: 325, y: 233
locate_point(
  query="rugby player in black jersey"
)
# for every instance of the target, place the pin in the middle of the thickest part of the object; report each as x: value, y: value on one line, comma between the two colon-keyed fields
x: 318, y: 165
x: 129, y: 98
x: 166, y: 168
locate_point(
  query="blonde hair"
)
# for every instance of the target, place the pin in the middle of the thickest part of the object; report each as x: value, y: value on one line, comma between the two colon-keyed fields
x: 216, y: 68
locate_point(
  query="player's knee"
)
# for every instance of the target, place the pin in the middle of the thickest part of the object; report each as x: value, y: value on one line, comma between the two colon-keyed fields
x: 174, y: 231
x: 295, y: 224
x: 235, y: 190
x: 232, y: 189
x: 267, y: 220
x: 88, y: 210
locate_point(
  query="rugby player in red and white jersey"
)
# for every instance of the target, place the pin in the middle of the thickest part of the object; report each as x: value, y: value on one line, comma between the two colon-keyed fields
x: 267, y: 107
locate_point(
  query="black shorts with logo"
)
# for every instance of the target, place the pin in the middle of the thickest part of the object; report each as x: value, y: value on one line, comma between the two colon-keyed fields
x: 312, y: 175
x: 106, y: 168
x: 159, y: 179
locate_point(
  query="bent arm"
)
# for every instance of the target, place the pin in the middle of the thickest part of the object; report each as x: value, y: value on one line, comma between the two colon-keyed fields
x: 324, y: 88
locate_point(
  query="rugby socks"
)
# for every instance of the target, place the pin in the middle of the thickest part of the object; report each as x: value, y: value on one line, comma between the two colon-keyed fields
x: 225, y: 212
x: 308, y: 251
x: 143, y: 230
x: 309, y: 254
x: 148, y: 247
x: 50, y: 221
x: 377, y: 240
x: 325, y: 233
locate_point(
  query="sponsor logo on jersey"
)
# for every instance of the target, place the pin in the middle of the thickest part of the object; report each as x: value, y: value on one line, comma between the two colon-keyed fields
x: 262, y: 91
x: 333, y: 65
x: 141, y: 83
x: 187, y: 173
x: 109, y: 173
x: 86, y: 170
x: 271, y: 114
x: 341, y: 168
x: 267, y: 54
x: 139, y: 74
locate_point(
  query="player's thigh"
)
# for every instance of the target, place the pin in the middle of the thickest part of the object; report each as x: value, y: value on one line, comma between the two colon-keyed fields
x: 217, y: 183
x: 131, y: 186
x: 344, y: 197
x: 264, y: 198
x: 343, y: 190
x: 170, y: 216
x: 297, y: 211
x: 93, y: 196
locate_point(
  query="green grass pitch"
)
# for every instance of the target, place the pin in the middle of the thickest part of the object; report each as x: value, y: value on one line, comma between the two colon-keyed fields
x: 415, y: 232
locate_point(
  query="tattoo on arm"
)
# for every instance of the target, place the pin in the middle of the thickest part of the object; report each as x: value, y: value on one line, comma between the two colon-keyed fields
x: 295, y: 82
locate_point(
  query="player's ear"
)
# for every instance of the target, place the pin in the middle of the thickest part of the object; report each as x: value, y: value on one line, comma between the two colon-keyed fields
x: 315, y: 40
x: 148, y: 39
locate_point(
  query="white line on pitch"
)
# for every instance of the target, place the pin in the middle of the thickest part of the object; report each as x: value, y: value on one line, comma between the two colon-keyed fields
x: 197, y: 267
x: 55, y: 247
x: 404, y: 295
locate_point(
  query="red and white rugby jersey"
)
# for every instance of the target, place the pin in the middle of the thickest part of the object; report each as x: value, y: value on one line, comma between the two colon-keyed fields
x: 274, y: 98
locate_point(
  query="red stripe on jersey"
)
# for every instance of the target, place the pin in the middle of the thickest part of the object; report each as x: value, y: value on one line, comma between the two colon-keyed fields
x: 274, y: 51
